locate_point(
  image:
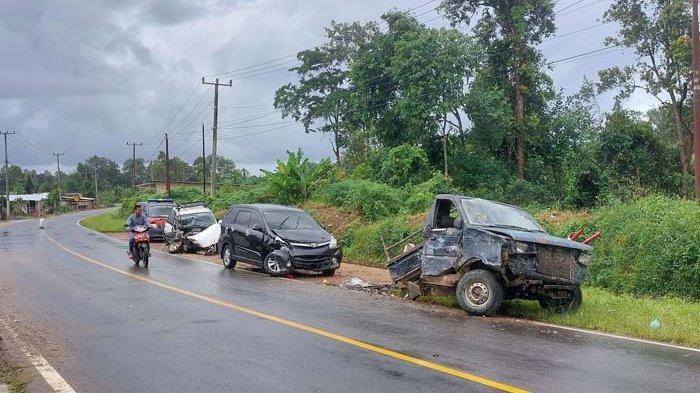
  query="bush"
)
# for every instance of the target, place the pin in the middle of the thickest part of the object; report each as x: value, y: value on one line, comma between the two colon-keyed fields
x: 421, y: 197
x: 404, y: 165
x: 649, y: 246
x: 373, y: 200
x: 362, y: 244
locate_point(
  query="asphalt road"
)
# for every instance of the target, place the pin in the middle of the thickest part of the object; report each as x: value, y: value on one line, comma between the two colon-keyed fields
x: 187, y: 326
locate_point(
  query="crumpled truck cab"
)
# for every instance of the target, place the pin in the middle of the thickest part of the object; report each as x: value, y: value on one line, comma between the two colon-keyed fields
x: 492, y: 251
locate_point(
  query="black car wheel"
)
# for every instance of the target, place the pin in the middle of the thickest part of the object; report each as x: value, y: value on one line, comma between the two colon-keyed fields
x: 274, y: 265
x: 479, y: 292
x: 227, y: 257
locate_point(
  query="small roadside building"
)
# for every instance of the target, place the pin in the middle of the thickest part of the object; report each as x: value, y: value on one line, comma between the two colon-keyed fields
x: 33, y: 205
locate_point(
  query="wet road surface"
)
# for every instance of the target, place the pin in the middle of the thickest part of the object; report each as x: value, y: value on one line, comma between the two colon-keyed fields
x: 187, y: 326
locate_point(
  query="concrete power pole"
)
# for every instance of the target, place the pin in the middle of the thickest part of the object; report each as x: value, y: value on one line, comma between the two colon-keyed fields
x: 204, y: 164
x: 133, y: 161
x: 214, y: 128
x: 95, y: 186
x: 58, y: 174
x: 696, y: 98
x: 7, y: 176
x: 167, y: 164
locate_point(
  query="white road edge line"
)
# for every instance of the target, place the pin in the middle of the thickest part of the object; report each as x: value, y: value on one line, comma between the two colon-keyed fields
x: 509, y: 319
x: 50, y: 375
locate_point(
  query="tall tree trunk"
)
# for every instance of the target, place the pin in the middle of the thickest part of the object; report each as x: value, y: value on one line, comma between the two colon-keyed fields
x: 682, y: 147
x: 519, y: 125
x: 444, y: 143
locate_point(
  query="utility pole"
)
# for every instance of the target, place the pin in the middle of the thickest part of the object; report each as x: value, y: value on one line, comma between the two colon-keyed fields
x: 214, y: 128
x: 133, y: 161
x: 167, y: 165
x: 696, y: 98
x: 58, y: 174
x: 204, y: 164
x: 95, y: 168
x: 7, y: 176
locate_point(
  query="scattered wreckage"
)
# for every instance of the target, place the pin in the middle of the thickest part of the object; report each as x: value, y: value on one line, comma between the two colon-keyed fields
x: 487, y: 252
x: 191, y: 227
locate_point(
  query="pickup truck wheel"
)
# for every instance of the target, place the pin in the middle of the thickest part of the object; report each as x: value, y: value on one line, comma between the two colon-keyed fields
x: 227, y: 257
x: 572, y: 303
x: 274, y: 265
x: 479, y: 292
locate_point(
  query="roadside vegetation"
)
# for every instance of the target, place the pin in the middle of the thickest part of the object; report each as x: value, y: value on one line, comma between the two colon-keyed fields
x: 106, y: 222
x: 10, y: 375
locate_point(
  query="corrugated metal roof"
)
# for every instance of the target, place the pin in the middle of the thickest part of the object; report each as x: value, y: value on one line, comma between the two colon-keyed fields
x: 29, y: 197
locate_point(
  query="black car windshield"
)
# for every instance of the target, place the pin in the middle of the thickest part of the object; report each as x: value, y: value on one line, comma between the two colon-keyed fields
x: 290, y: 220
x: 203, y: 219
x: 159, y: 210
x: 483, y: 212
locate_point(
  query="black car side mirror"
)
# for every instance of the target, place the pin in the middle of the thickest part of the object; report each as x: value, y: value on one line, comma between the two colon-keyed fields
x: 256, y: 228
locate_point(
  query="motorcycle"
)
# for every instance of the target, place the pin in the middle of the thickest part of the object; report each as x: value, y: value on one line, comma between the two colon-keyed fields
x: 142, y: 245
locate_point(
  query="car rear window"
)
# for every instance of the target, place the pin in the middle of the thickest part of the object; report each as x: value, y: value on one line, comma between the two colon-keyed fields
x: 159, y: 210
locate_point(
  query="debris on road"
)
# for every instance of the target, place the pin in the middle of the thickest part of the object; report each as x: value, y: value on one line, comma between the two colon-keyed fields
x: 362, y: 285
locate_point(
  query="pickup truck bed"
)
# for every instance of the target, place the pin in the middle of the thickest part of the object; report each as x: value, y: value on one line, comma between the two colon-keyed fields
x: 407, y: 265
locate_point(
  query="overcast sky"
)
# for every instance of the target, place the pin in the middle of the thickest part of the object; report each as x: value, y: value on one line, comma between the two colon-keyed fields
x: 85, y: 77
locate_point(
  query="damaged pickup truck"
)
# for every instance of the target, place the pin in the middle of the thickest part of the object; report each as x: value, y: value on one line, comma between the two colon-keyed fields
x: 489, y: 252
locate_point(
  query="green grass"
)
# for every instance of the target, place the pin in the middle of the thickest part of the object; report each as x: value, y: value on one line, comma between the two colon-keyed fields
x: 105, y: 222
x: 619, y: 314
x: 10, y: 375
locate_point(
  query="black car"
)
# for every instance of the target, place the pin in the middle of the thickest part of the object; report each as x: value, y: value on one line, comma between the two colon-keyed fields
x: 157, y: 211
x: 277, y: 238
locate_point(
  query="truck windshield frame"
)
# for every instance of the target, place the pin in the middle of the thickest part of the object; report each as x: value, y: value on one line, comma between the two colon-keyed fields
x: 490, y: 214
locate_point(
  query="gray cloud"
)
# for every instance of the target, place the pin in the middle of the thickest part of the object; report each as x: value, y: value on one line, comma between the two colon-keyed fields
x: 85, y: 77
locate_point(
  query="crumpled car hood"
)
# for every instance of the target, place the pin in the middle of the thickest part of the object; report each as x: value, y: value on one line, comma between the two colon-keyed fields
x: 304, y: 236
x: 539, y: 238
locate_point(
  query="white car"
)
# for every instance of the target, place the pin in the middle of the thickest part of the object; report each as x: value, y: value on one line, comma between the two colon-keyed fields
x: 186, y: 221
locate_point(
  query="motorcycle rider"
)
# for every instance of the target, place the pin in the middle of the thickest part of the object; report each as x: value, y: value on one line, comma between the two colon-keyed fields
x: 135, y: 220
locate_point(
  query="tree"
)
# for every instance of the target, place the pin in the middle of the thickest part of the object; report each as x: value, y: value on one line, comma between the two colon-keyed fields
x: 633, y: 156
x: 226, y: 170
x: 510, y: 29
x: 295, y: 179
x: 140, y: 169
x: 659, y: 33
x: 320, y: 100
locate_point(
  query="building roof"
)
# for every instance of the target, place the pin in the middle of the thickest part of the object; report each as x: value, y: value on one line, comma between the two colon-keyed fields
x: 30, y: 197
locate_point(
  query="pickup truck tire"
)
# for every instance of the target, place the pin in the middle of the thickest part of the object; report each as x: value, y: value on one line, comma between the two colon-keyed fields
x: 227, y: 257
x: 479, y: 292
x: 563, y: 305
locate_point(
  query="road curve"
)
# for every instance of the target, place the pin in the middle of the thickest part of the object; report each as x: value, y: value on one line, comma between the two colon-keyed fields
x: 185, y: 326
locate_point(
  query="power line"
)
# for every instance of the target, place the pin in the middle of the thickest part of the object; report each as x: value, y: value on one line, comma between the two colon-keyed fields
x: 568, y: 6
x: 582, y: 7
x: 574, y: 32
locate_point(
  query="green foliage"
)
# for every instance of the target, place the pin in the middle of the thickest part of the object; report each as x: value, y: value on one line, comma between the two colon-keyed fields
x: 633, y: 157
x: 421, y: 197
x: 373, y: 200
x: 649, y: 246
x: 106, y: 222
x: 296, y: 179
x: 363, y: 243
x: 404, y: 165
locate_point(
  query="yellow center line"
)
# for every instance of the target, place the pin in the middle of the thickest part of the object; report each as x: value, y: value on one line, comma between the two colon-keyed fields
x: 333, y: 336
